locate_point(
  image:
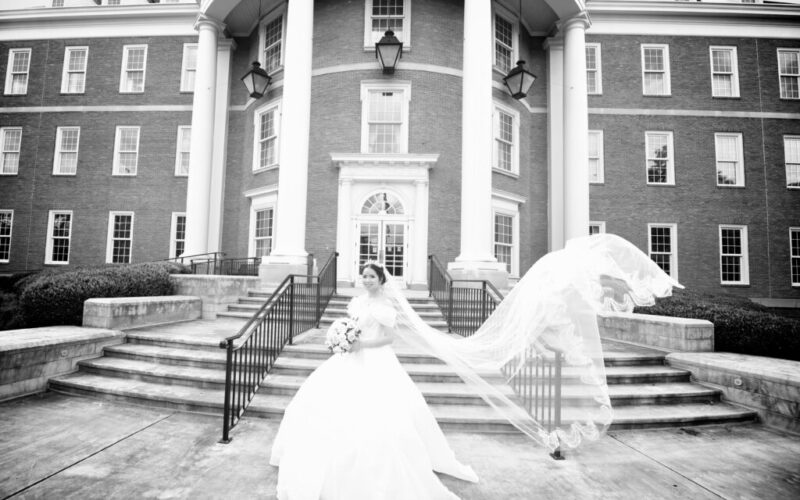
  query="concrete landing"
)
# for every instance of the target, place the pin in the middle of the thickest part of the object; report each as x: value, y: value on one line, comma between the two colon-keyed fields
x: 54, y: 446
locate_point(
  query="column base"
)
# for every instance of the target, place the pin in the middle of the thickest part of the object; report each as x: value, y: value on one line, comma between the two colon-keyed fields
x: 275, y: 268
x: 493, y: 272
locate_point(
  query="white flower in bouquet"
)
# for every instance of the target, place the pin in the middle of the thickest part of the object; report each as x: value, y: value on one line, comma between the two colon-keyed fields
x: 342, y: 334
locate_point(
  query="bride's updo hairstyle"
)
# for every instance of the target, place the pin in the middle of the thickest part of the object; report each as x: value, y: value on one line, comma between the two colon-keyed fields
x: 378, y: 270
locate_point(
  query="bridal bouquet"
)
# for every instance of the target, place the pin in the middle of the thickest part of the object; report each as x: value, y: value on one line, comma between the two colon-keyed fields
x: 341, y: 336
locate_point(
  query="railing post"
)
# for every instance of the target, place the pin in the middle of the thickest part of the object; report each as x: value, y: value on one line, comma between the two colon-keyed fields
x: 335, y: 271
x: 226, y: 410
x: 291, y: 309
x: 319, y: 300
x: 483, y: 302
x: 557, y: 410
x: 430, y: 276
x: 450, y: 308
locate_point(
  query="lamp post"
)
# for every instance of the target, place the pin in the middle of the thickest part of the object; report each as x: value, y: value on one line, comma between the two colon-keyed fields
x: 519, y: 81
x: 256, y: 80
x: 388, y: 51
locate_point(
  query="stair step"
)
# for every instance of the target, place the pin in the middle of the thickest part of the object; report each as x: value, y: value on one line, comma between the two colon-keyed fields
x: 320, y: 352
x: 175, y: 341
x: 168, y: 355
x: 155, y: 372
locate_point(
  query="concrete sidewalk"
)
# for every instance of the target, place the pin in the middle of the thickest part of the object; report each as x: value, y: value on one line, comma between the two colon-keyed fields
x: 55, y: 446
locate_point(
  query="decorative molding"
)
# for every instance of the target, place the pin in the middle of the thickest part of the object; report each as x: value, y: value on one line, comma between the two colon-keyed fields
x: 375, y: 66
x: 261, y: 191
x: 510, y: 197
x: 379, y: 160
x: 171, y: 108
x: 706, y: 113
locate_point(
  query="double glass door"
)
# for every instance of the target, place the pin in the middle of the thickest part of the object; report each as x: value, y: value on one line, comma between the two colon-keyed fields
x: 383, y: 241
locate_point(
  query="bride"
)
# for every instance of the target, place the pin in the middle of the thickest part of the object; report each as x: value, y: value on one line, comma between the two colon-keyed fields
x: 359, y: 428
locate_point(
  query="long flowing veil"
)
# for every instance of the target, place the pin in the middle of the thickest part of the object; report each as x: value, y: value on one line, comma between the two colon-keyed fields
x: 548, y: 319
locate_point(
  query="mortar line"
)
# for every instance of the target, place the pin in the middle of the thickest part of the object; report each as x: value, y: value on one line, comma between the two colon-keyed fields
x: 86, y: 457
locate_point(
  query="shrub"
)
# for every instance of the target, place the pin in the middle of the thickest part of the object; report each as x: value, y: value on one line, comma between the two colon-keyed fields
x: 740, y: 325
x: 57, y: 298
x: 10, y: 317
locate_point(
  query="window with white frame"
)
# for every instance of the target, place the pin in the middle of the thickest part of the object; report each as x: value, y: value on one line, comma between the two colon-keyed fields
x: 126, y: 151
x: 120, y: 237
x: 597, y: 227
x: 733, y: 259
x: 662, y: 246
x: 65, y: 159
x: 506, y: 139
x: 730, y: 163
x: 384, y: 15
x: 6, y: 224
x: 789, y: 73
x: 505, y: 229
x: 791, y: 157
x: 594, y: 78
x: 794, y: 254
x: 505, y: 41
x: 134, y: 64
x: 503, y: 238
x: 10, y: 143
x: 262, y: 220
x: 59, y: 234
x: 19, y: 64
x: 58, y: 3
x: 263, y: 233
x: 177, y: 234
x: 659, y: 154
x: 272, y: 42
x: 188, y: 67
x: 655, y: 69
x: 267, y: 128
x: 73, y: 75
x: 595, y: 148
x: 384, y: 126
x: 183, y: 148
x: 724, y: 72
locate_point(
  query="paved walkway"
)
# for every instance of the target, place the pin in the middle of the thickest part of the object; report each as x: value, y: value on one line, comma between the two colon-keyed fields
x: 55, y: 446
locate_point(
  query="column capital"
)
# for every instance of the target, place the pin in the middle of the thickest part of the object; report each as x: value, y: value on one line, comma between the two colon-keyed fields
x: 579, y: 21
x: 204, y: 21
x: 553, y: 43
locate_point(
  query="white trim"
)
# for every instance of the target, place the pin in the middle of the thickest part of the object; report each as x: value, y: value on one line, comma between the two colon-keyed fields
x: 178, y: 151
x: 600, y: 158
x: 597, y: 71
x: 371, y: 66
x: 10, y: 234
x: 273, y: 106
x: 261, y: 191
x: 124, y: 68
x: 507, y: 204
x: 58, y: 151
x: 173, y: 233
x: 666, y: 71
x: 786, y: 163
x: 368, y: 86
x: 744, y: 264
x: 110, y: 239
x: 116, y: 165
x: 65, y: 69
x: 167, y: 108
x: 793, y: 230
x: 740, y: 181
x: 601, y: 226
x: 793, y: 50
x: 673, y: 244
x: 9, y: 74
x: 670, y: 158
x: 267, y: 199
x: 280, y: 10
x: 515, y: 145
x: 694, y: 113
x: 184, y: 70
x: 499, y: 10
x: 734, y: 70
x: 18, y: 152
x: 48, y: 252
x: 506, y: 197
x: 405, y: 36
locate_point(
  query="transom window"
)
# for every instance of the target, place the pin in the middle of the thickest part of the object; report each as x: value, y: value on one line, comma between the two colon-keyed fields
x: 273, y: 44
x: 385, y: 118
x: 506, y: 139
x: 789, y: 73
x: 183, y: 149
x: 794, y: 252
x: 383, y: 203
x: 19, y: 63
x: 189, y: 67
x: 594, y: 80
x: 662, y: 247
x: 384, y: 15
x: 126, y: 151
x: 134, y: 63
x: 120, y: 237
x: 660, y: 167
x: 65, y: 159
x: 263, y: 231
x: 595, y: 148
x: 791, y: 156
x: 503, y: 239
x: 10, y: 142
x: 266, y: 137
x: 733, y: 265
x: 724, y: 72
x: 655, y: 70
x: 6, y: 224
x: 730, y: 166
x: 59, y: 234
x: 177, y: 242
x: 73, y: 77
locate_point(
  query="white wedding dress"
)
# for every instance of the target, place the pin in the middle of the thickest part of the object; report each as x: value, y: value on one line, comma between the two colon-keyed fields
x: 359, y: 428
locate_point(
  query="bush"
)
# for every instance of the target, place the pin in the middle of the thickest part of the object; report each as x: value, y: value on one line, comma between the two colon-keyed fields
x: 10, y: 317
x: 740, y: 325
x: 57, y: 298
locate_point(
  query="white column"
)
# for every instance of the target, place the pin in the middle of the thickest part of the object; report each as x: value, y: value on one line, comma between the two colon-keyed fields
x: 201, y: 148
x: 289, y: 254
x: 476, y: 260
x: 555, y: 143
x: 420, y: 241
x: 344, y: 230
x: 576, y: 124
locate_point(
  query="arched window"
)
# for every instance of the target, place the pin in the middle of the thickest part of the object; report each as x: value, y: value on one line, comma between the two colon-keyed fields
x: 383, y: 203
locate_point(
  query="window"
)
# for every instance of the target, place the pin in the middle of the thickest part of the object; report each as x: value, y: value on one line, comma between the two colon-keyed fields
x: 595, y: 148
x: 73, y: 75
x: 182, y: 151
x: 733, y: 264
x: 791, y: 156
x: 134, y: 62
x: 660, y: 168
x: 65, y: 159
x: 59, y: 233
x: 262, y: 239
x: 724, y: 72
x: 503, y: 238
x: 126, y: 151
x: 594, y: 79
x: 505, y: 46
x: 272, y: 36
x: 113, y: 2
x: 120, y: 237
x: 505, y: 229
x: 10, y: 142
x: 655, y: 70
x: 794, y: 254
x: 730, y: 166
x: 177, y: 234
x: 58, y: 3
x: 19, y: 63
x: 6, y: 223
x: 788, y: 71
x: 266, y: 136
x: 384, y: 15
x: 506, y: 139
x: 662, y: 247
x: 596, y: 227
x: 188, y: 67
x: 384, y: 117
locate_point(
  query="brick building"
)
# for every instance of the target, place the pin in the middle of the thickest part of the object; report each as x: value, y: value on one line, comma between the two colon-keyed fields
x: 673, y: 124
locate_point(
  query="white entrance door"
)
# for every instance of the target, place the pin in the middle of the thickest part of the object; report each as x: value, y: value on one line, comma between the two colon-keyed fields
x: 384, y: 241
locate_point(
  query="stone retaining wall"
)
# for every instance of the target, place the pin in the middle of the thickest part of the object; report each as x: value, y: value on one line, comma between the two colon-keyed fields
x: 216, y: 292
x: 661, y: 332
x: 130, y: 312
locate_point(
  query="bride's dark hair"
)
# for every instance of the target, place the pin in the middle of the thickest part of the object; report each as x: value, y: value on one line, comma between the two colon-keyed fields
x: 378, y: 270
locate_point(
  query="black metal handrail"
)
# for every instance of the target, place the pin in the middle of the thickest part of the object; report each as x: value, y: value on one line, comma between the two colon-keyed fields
x: 296, y: 305
x: 240, y: 266
x: 214, y: 256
